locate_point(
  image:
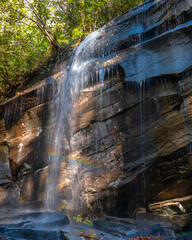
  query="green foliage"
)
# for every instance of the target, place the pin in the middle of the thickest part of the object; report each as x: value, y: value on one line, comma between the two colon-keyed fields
x: 32, y: 30
x: 85, y: 220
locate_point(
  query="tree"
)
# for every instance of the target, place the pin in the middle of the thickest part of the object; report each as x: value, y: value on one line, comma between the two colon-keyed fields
x: 33, y: 30
x: 33, y: 13
x: 22, y: 46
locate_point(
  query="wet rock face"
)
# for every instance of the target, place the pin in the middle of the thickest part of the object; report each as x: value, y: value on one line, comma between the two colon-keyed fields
x: 5, y: 171
x: 139, y: 151
x: 131, y: 142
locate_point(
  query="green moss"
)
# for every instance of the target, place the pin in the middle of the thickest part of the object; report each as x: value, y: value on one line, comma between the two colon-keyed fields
x: 85, y: 220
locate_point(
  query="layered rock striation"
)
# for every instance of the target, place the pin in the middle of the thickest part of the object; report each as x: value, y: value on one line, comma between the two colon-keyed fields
x: 132, y: 132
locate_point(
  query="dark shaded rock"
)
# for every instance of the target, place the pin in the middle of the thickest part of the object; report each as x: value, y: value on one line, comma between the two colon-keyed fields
x: 149, y: 219
x: 78, y: 234
x: 107, y: 226
x: 138, y: 211
x: 28, y: 234
x: 182, y: 223
x: 32, y: 186
x: 156, y: 230
x: 5, y: 170
x: 9, y: 194
x: 185, y: 237
x: 43, y: 219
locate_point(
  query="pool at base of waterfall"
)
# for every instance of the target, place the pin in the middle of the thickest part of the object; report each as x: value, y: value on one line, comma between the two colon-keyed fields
x: 39, y: 225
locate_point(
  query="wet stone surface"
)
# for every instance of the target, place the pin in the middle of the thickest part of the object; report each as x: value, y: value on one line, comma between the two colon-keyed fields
x: 53, y: 225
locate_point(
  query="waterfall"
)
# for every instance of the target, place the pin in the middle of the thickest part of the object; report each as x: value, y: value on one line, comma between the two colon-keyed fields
x: 65, y: 94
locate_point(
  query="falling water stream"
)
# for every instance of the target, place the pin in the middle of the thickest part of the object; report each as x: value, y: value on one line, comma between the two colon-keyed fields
x: 75, y: 78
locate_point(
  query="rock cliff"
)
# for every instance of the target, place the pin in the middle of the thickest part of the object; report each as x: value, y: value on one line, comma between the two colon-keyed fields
x: 132, y: 132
